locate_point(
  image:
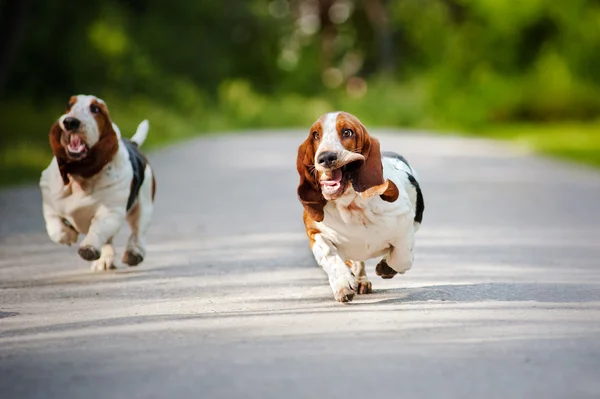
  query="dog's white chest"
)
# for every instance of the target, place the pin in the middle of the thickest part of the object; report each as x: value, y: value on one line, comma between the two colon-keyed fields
x: 78, y: 201
x: 364, y: 229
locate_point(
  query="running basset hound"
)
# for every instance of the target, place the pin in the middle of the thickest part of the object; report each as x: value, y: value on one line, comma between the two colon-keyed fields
x: 95, y: 182
x: 359, y: 203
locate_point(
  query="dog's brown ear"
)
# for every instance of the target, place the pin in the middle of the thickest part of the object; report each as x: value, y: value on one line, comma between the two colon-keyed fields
x: 309, y: 192
x: 368, y: 179
x: 58, y: 150
x: 108, y: 142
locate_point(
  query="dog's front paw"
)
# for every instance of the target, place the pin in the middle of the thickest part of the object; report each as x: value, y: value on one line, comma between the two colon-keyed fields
x: 89, y: 253
x: 344, y: 295
x: 344, y: 288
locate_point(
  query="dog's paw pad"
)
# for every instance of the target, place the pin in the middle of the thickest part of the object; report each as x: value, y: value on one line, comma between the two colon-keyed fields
x: 89, y: 253
x: 384, y: 271
x: 132, y: 258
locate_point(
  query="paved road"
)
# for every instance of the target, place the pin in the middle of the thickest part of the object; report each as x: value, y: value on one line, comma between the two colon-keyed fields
x: 503, y: 301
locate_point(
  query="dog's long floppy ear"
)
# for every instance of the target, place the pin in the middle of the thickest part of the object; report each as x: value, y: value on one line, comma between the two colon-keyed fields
x: 309, y: 192
x: 368, y: 179
x: 108, y: 142
x: 55, y: 137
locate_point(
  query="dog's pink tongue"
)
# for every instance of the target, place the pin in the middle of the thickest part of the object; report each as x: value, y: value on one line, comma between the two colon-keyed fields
x: 75, y: 141
x: 76, y: 144
x: 335, y: 179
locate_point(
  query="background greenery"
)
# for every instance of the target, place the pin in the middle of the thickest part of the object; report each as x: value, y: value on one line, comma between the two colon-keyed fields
x: 527, y: 70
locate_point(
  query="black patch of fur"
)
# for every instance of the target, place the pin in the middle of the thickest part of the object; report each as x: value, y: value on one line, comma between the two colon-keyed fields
x: 138, y: 163
x: 420, y: 200
x: 394, y: 155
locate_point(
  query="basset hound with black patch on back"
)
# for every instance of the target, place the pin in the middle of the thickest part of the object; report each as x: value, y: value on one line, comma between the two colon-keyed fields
x: 359, y: 203
x: 95, y: 182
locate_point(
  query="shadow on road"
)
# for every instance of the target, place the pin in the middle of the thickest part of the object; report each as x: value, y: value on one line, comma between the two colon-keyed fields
x: 502, y: 292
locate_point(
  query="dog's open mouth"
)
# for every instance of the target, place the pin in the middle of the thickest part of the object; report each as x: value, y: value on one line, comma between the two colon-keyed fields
x: 333, y: 182
x: 76, y: 147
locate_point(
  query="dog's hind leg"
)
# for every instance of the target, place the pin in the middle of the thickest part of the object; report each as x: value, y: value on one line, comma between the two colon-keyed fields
x: 400, y: 256
x: 139, y: 218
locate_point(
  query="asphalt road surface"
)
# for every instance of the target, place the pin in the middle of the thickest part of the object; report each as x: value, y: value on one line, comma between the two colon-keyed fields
x: 503, y: 300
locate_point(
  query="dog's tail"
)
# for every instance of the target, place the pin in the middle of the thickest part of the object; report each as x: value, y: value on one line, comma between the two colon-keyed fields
x: 141, y: 133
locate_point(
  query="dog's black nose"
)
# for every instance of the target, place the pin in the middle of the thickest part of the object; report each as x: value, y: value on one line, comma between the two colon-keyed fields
x: 327, y: 158
x: 71, y: 123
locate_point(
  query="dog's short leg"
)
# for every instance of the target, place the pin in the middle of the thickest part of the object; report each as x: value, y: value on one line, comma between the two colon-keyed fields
x: 363, y: 285
x: 57, y: 229
x: 105, y: 225
x: 341, y: 280
x: 107, y: 258
x: 139, y: 218
x: 400, y: 258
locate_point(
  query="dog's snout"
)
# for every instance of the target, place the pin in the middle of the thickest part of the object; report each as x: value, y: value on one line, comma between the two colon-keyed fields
x: 327, y: 158
x: 71, y: 123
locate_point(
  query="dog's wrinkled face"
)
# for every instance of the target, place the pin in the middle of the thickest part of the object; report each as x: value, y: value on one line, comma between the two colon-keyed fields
x: 339, y: 154
x: 82, y: 125
x: 338, y: 141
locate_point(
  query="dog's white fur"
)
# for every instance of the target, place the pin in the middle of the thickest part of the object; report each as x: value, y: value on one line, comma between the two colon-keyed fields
x: 96, y: 206
x: 368, y: 229
x: 356, y: 229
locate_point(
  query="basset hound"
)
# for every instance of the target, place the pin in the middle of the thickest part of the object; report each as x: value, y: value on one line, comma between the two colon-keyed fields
x: 95, y: 182
x: 359, y: 203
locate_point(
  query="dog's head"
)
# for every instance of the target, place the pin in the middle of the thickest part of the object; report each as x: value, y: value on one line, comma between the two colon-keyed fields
x: 83, y: 139
x: 339, y: 154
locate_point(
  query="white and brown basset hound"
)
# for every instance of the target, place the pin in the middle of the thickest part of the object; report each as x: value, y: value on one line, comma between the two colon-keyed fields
x: 95, y: 182
x: 359, y: 204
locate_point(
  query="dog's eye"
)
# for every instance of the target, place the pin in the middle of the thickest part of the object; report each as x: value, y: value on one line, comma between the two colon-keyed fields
x: 315, y: 135
x: 347, y: 133
x: 69, y: 105
x: 94, y: 109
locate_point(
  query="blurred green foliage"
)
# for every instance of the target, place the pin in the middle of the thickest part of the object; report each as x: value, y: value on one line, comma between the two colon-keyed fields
x: 193, y: 67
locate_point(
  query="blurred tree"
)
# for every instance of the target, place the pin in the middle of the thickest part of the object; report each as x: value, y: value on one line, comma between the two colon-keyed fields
x: 328, y: 32
x: 478, y: 60
x: 378, y: 16
x: 13, y: 18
